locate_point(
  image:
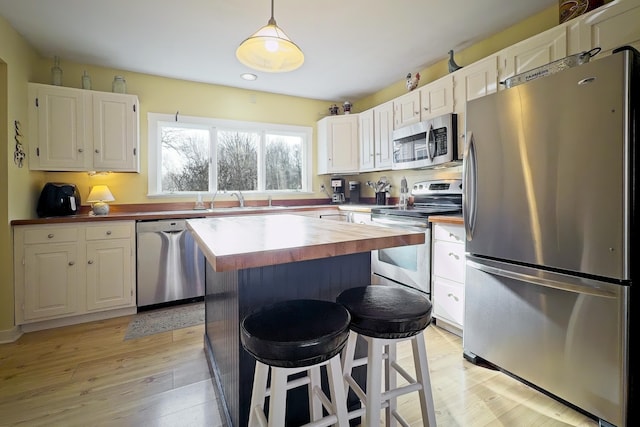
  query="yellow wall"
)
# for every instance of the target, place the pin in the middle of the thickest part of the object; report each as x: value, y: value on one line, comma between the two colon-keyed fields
x: 17, y: 62
x: 164, y: 95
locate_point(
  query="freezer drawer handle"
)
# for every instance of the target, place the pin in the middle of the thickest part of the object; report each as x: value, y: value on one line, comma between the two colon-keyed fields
x: 563, y: 284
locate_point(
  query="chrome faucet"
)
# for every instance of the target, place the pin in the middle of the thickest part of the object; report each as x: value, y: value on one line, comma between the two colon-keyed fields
x: 240, y: 197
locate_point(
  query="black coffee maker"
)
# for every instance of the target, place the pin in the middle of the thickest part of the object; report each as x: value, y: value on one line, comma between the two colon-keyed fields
x: 354, y: 192
x: 338, y: 190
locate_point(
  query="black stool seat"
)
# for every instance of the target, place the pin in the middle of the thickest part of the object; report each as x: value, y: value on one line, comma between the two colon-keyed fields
x: 387, y: 312
x: 296, y: 333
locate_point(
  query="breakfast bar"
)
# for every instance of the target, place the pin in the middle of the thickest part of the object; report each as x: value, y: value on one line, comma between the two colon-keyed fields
x: 257, y: 260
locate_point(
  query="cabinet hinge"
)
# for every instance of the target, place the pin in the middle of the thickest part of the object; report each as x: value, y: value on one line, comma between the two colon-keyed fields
x: 134, y: 108
x: 135, y: 151
x: 37, y: 151
x: 37, y: 104
x: 131, y: 292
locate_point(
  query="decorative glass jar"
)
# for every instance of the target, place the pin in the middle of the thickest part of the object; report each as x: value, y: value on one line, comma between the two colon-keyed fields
x: 86, y: 80
x: 119, y: 85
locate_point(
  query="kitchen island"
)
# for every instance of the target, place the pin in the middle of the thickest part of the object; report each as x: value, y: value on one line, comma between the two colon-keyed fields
x: 257, y: 260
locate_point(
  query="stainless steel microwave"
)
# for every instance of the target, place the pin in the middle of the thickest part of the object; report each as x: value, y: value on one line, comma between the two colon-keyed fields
x: 429, y: 143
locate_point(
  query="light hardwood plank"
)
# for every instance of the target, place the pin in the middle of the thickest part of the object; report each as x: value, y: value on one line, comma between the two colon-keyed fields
x: 88, y: 375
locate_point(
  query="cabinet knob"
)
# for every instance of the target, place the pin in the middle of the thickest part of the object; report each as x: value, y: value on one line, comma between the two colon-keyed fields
x: 454, y: 236
x: 109, y: 233
x: 71, y: 263
x: 50, y: 235
x: 97, y: 151
x: 454, y: 255
x: 80, y: 150
x: 90, y: 261
x: 426, y: 108
x: 450, y: 295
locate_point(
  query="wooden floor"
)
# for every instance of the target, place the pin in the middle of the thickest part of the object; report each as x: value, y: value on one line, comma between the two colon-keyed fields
x: 87, y: 375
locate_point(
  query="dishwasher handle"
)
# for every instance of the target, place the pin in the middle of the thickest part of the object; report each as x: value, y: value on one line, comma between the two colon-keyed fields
x: 165, y: 225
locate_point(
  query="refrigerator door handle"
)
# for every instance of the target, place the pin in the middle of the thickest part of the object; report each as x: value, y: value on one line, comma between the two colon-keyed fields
x: 469, y: 186
x: 550, y: 280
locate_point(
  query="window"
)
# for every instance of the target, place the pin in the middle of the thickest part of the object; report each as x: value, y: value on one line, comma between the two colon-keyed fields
x: 195, y: 154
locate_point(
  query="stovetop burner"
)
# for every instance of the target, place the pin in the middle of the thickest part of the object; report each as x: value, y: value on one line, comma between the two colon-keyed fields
x: 436, y: 197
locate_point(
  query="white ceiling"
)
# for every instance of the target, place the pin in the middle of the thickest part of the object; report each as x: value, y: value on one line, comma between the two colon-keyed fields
x: 352, y: 48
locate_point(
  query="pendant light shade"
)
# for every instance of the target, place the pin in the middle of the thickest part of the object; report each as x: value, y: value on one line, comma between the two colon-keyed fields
x: 270, y: 49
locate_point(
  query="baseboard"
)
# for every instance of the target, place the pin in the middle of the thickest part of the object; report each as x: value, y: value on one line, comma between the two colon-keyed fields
x: 10, y: 335
x: 74, y: 320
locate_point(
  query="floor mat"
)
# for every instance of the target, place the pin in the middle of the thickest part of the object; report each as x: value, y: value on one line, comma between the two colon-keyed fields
x: 165, y: 319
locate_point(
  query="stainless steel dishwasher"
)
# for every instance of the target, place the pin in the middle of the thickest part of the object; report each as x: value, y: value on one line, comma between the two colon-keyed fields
x: 170, y: 266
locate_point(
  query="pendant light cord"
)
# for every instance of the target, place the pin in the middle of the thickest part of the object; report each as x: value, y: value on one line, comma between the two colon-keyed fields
x: 272, y: 21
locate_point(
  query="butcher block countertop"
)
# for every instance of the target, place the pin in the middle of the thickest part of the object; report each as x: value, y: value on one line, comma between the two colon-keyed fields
x: 240, y: 242
x: 446, y: 219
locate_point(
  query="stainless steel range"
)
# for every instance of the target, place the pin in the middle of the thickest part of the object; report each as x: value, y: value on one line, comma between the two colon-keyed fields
x: 411, y: 265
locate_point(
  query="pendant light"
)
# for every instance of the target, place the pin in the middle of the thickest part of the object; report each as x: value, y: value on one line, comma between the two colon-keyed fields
x: 269, y: 49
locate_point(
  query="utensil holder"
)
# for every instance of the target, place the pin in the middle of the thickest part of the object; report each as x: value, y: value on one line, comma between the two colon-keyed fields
x: 381, y: 198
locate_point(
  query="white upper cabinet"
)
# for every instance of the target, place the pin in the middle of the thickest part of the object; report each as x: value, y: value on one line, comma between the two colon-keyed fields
x: 436, y: 98
x: 611, y: 26
x: 338, y: 144
x: 79, y: 130
x: 471, y: 82
x: 376, y: 132
x: 406, y: 109
x: 533, y: 52
x: 57, y: 128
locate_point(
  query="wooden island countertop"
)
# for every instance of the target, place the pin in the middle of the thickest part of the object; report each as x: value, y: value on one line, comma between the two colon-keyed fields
x: 240, y: 242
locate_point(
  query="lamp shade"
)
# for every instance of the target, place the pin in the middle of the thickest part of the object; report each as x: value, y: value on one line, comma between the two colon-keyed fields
x: 100, y: 193
x: 98, y: 196
x: 270, y: 49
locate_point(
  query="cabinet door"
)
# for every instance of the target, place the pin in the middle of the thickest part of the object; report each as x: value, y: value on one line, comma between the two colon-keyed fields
x: 115, y: 132
x: 436, y: 98
x: 109, y: 274
x: 57, y: 128
x: 367, y: 140
x: 338, y: 144
x: 471, y: 82
x: 50, y: 285
x: 383, y: 135
x: 611, y: 26
x: 406, y: 109
x: 533, y: 52
x: 448, y: 298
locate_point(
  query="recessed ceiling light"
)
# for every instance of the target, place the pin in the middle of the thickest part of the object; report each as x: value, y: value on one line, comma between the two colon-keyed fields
x: 248, y: 76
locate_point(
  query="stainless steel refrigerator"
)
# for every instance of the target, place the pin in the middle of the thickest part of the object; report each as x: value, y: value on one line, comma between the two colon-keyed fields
x: 551, y: 213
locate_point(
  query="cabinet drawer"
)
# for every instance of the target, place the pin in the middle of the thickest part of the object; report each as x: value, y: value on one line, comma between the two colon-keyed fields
x: 109, y: 231
x: 448, y: 260
x: 448, y: 301
x: 50, y: 235
x: 449, y: 232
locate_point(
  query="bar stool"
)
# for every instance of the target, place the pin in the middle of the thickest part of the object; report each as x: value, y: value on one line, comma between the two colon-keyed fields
x: 385, y: 316
x: 292, y: 337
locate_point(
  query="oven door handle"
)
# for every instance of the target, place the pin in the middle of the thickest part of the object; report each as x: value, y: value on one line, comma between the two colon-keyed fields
x: 410, y: 225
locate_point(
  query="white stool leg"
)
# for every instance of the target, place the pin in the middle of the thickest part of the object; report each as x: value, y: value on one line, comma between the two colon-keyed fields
x: 336, y: 388
x: 422, y: 374
x: 258, y: 393
x: 347, y: 357
x: 315, y: 406
x: 278, y: 397
x: 391, y: 381
x: 374, y: 383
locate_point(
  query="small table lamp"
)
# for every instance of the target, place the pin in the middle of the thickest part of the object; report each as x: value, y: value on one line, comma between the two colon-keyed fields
x: 98, y: 196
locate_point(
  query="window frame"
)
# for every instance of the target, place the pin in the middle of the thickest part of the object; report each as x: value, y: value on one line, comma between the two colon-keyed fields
x: 157, y: 120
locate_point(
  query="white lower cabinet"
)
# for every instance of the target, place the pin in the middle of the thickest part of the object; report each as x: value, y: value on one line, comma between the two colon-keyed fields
x: 62, y: 271
x: 448, y: 258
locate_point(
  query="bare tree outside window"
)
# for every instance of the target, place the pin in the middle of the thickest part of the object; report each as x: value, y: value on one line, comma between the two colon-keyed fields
x: 185, y: 159
x: 283, y: 159
x: 237, y: 160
